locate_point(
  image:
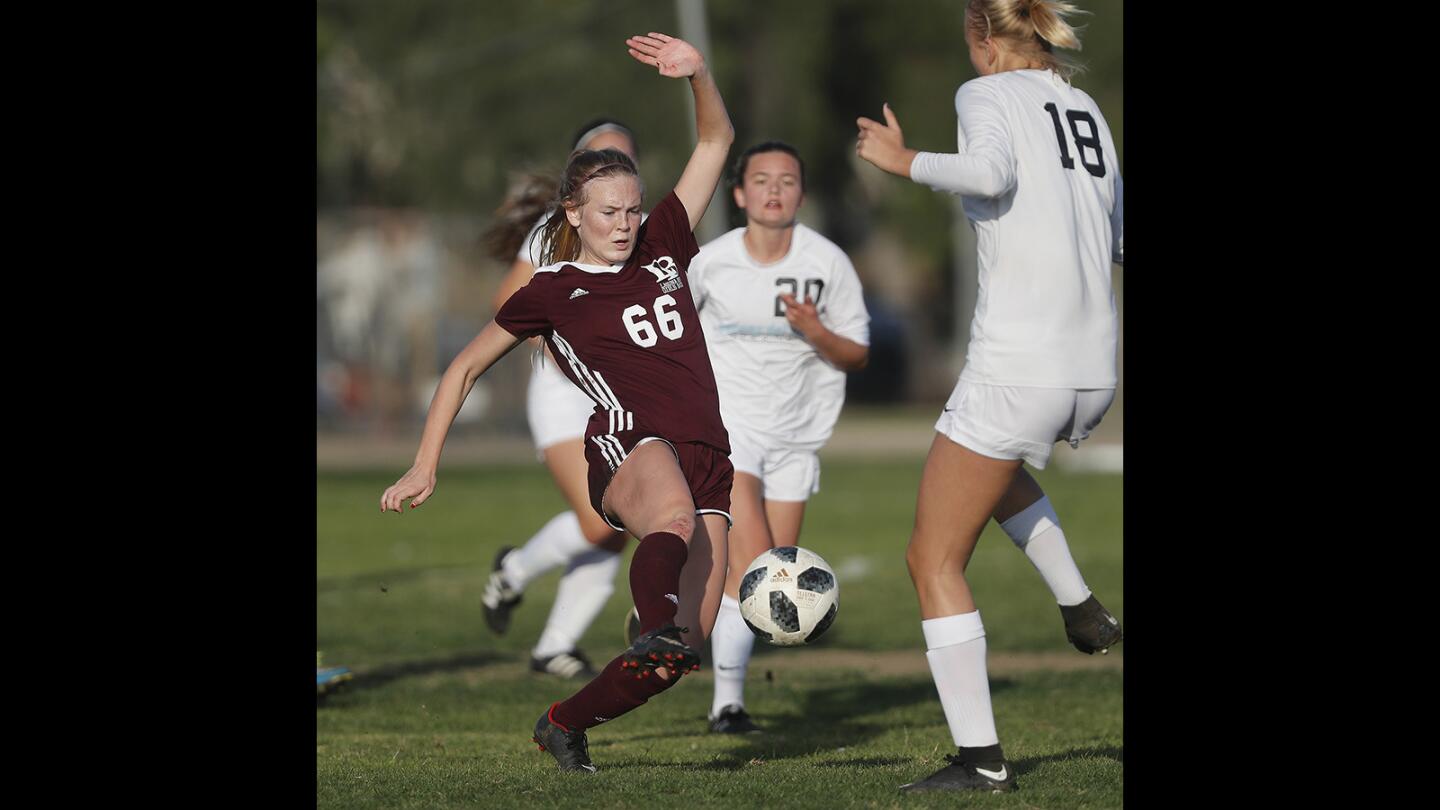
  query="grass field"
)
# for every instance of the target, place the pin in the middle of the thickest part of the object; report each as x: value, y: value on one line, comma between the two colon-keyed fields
x: 440, y: 711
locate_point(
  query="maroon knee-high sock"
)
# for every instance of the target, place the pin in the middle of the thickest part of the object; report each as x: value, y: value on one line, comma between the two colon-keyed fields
x: 655, y: 578
x: 612, y: 693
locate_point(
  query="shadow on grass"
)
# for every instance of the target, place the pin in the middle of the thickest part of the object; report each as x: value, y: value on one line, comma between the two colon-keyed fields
x: 1111, y: 752
x: 387, y: 673
x: 827, y: 718
x: 382, y: 580
x: 866, y: 762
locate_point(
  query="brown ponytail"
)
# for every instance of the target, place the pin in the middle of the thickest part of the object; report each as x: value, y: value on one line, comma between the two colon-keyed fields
x: 524, y: 203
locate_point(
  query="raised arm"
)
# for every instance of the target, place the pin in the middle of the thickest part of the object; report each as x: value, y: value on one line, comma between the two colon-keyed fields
x: 490, y: 345
x: 676, y: 58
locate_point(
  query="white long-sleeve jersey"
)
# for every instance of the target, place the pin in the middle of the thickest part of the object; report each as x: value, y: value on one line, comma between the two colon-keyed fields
x: 1040, y: 184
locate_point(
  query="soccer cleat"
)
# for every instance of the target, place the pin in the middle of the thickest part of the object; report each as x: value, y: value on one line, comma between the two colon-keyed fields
x: 632, y: 625
x: 733, y: 719
x: 660, y: 647
x: 499, y: 598
x: 995, y: 777
x: 329, y: 679
x: 1090, y: 627
x: 571, y: 664
x: 570, y: 748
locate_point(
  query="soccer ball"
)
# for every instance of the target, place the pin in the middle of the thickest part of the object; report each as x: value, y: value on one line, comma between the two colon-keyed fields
x: 789, y: 596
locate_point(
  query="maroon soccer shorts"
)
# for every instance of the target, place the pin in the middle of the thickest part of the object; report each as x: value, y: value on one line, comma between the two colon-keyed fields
x: 706, y: 470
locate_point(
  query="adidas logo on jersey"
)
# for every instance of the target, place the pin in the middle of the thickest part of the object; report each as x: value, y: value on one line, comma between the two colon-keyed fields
x: 579, y: 291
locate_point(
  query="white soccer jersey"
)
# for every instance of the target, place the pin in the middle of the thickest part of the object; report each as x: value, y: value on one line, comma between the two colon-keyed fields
x: 1040, y: 184
x: 771, y: 382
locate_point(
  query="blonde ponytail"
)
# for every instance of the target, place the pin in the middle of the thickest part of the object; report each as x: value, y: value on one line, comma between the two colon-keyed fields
x: 1034, y: 28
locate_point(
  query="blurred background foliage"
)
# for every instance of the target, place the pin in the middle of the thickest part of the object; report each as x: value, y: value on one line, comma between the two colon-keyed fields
x: 429, y: 110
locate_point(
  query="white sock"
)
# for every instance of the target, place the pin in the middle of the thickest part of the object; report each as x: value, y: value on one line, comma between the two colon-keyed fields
x: 1035, y: 530
x: 583, y: 591
x: 955, y: 647
x: 557, y: 543
x: 731, y: 643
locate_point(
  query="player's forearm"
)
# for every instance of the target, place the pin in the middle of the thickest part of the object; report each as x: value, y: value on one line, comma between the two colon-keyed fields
x: 842, y: 353
x: 490, y: 345
x: 712, y: 122
x: 900, y: 164
x: 969, y: 174
x: 454, y: 386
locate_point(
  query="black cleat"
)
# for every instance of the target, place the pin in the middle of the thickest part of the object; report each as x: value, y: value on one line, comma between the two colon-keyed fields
x: 632, y: 626
x: 499, y: 598
x: 661, y: 647
x: 1090, y: 627
x: 571, y: 664
x: 570, y: 748
x: 995, y: 777
x: 733, y: 719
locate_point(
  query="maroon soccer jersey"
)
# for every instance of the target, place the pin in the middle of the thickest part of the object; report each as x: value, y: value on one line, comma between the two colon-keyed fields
x: 630, y: 337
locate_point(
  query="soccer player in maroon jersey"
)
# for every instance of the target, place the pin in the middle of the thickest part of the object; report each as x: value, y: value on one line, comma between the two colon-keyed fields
x: 611, y: 303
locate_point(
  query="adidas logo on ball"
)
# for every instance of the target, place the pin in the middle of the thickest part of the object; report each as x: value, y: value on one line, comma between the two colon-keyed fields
x: 788, y: 610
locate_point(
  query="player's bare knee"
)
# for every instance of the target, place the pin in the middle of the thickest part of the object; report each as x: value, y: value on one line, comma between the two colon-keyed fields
x: 682, y: 525
x: 921, y: 561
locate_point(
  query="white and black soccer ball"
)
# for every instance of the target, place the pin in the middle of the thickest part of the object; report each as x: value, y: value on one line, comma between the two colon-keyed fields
x: 789, y: 596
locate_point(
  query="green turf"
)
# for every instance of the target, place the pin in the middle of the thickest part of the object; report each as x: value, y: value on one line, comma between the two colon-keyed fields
x: 440, y: 711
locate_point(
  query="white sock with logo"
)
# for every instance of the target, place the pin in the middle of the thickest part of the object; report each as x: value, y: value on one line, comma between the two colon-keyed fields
x: 955, y: 648
x: 556, y: 544
x: 582, y: 593
x: 731, y: 643
x: 1035, y: 530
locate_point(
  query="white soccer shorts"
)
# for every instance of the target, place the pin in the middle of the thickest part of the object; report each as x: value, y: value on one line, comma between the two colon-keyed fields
x: 786, y: 474
x: 556, y: 409
x: 1014, y: 422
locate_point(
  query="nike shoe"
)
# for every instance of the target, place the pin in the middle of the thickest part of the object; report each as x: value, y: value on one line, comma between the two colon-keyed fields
x: 661, y: 647
x: 570, y: 748
x: 571, y: 664
x: 995, y: 777
x: 329, y: 679
x: 499, y: 598
x: 1090, y: 627
x: 734, y: 719
x: 632, y: 625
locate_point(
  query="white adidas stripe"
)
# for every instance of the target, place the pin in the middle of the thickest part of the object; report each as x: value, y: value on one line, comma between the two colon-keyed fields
x: 579, y: 369
x: 606, y: 386
x: 609, y: 457
x: 595, y: 387
x: 619, y: 448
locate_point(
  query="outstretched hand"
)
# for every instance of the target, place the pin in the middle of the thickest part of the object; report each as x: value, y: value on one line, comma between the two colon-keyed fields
x: 674, y: 58
x: 416, y: 483
x: 884, y: 144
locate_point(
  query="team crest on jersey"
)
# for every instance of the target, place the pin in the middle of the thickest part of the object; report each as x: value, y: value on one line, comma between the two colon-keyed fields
x: 667, y: 274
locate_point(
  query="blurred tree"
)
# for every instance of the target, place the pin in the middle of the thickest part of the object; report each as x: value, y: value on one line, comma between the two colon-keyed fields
x: 436, y: 104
